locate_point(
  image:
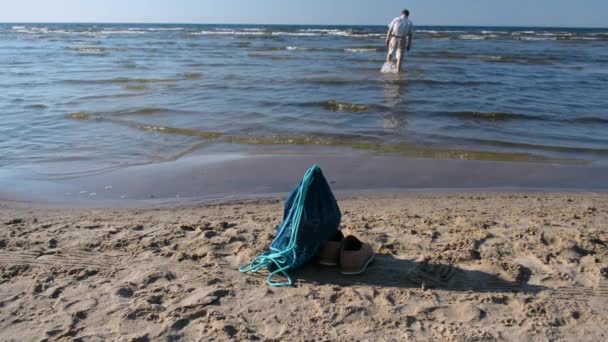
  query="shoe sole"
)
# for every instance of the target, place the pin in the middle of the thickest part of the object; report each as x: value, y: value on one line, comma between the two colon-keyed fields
x: 328, y: 263
x: 362, y: 270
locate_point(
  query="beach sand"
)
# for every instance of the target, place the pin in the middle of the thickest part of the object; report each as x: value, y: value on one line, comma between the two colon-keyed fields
x: 450, y: 267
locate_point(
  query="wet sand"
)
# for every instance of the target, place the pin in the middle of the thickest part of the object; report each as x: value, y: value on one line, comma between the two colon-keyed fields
x: 450, y: 267
x: 254, y: 172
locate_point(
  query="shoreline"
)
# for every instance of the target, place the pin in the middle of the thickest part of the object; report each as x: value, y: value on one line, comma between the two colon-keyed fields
x: 460, y: 266
x: 254, y: 174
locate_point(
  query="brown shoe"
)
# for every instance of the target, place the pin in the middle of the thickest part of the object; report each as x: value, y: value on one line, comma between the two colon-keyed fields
x: 355, y: 256
x: 330, y: 254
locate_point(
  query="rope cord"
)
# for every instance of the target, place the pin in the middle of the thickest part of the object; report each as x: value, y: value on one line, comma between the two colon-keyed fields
x: 284, y: 259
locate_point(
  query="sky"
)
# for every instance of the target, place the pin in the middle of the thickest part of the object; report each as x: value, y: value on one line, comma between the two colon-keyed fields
x: 560, y: 13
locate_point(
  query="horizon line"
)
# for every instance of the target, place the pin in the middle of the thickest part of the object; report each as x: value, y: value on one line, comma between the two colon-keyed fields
x: 299, y: 24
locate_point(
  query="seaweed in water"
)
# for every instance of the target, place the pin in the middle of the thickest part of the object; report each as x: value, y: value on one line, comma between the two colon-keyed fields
x: 334, y: 106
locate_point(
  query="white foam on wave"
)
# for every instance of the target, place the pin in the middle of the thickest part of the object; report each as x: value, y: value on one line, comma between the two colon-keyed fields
x: 493, y: 33
x: 389, y: 68
x: 491, y: 57
x: 47, y: 30
x: 128, y: 31
x: 300, y: 34
x: 153, y: 29
x: 537, y: 38
x: 230, y: 33
x: 471, y: 37
x: 320, y: 30
x: 326, y: 31
x: 35, y: 30
x: 360, y: 49
x: 90, y: 51
x: 341, y: 33
x: 454, y: 31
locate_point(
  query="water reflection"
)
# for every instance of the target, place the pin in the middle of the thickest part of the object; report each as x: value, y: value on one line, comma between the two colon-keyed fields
x: 394, y: 119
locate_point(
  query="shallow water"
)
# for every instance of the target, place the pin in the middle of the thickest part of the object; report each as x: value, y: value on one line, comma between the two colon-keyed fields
x: 83, y: 99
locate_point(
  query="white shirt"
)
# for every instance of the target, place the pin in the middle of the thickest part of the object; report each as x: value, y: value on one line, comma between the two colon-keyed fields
x: 401, y: 26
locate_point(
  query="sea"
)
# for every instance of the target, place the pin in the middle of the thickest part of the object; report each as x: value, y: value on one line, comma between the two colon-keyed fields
x: 84, y: 99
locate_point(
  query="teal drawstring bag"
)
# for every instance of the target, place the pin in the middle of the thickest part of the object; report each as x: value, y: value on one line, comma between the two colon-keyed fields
x: 310, y: 219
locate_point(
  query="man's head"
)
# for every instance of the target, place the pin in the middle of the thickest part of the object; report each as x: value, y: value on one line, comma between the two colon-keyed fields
x: 406, y: 12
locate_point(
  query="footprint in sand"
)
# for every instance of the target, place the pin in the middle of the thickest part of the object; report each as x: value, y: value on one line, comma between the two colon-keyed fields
x: 84, y: 305
x: 124, y: 292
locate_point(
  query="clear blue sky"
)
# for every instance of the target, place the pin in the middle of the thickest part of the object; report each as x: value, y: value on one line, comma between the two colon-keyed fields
x: 586, y: 13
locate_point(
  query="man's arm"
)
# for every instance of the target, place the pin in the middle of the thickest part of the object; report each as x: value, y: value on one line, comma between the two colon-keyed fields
x: 390, y: 31
x: 410, y: 37
x: 388, y: 34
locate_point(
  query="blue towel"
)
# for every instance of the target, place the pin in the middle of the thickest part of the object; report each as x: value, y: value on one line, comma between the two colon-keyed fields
x: 311, y: 217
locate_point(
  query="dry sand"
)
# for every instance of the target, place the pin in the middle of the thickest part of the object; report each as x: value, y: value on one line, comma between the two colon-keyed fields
x: 450, y: 267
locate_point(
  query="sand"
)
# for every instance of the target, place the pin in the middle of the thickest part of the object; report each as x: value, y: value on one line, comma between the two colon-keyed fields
x: 450, y: 267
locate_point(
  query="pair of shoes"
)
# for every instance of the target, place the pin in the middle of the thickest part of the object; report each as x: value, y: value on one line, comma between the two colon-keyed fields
x: 352, y: 255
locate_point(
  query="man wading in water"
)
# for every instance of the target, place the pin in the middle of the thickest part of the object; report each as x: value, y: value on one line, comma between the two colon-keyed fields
x: 399, y: 34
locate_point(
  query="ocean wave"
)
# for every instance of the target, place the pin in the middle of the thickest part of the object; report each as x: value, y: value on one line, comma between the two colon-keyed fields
x: 90, y: 32
x: 322, y: 30
x: 122, y: 80
x: 364, y: 49
x: 337, y: 32
x: 97, y: 50
x: 337, y: 81
x: 330, y: 105
x: 539, y: 147
x: 36, y: 106
x: 155, y: 29
x: 288, y: 48
x: 297, y: 34
x: 502, y: 116
x: 346, y: 107
x: 493, y: 32
x: 101, y: 97
x: 229, y: 32
x: 537, y: 60
x: 425, y: 33
x: 588, y: 120
x: 446, y: 82
x: 136, y: 87
x: 330, y: 80
x: 270, y: 56
x: 90, y: 50
x: 491, y: 116
x: 536, y: 38
x: 33, y: 30
x: 471, y: 37
x: 319, y: 139
x: 144, y: 111
x: 86, y: 116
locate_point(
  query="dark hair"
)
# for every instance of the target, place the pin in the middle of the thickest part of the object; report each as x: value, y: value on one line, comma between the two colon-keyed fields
x: 406, y: 12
